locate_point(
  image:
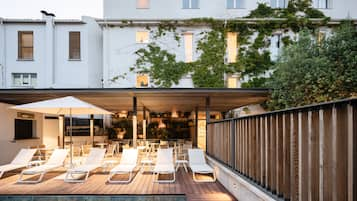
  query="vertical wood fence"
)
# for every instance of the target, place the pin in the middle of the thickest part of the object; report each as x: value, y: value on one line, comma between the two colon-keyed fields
x: 300, y: 154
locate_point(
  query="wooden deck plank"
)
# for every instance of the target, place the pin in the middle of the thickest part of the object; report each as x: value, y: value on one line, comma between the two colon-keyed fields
x: 97, y: 185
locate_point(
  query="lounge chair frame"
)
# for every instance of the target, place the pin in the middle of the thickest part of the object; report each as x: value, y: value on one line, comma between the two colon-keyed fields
x: 202, y: 164
x: 157, y: 173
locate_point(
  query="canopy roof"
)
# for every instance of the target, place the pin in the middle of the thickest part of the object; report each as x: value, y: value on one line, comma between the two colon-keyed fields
x: 65, y: 105
x: 154, y: 99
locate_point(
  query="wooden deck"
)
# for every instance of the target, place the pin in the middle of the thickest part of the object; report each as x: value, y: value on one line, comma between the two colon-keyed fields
x: 96, y: 185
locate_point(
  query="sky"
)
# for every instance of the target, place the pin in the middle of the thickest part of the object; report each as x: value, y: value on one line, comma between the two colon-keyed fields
x: 63, y: 9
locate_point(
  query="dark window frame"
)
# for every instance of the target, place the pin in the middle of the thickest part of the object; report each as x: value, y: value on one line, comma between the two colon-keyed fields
x: 20, y: 47
x: 72, y: 48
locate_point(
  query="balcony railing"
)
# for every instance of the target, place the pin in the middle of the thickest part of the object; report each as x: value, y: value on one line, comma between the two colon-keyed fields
x: 306, y: 153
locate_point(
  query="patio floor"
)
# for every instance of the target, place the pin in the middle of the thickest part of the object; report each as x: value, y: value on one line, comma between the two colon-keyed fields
x: 96, y: 185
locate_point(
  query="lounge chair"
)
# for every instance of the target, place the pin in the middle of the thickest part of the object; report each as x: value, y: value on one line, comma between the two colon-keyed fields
x: 21, y: 160
x: 55, y: 161
x: 93, y: 161
x: 164, y: 164
x: 198, y: 165
x: 127, y: 165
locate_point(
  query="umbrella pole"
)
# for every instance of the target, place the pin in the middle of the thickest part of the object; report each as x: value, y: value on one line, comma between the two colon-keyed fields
x: 70, y: 137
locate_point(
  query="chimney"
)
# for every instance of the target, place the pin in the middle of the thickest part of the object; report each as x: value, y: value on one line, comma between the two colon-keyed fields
x: 50, y: 48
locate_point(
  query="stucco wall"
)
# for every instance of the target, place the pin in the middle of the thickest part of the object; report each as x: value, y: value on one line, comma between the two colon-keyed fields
x: 163, y: 9
x: 9, y: 147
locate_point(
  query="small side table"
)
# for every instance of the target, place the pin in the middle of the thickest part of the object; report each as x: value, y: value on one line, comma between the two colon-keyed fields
x: 146, y: 163
x: 182, y: 163
x: 108, y: 164
x: 36, y: 163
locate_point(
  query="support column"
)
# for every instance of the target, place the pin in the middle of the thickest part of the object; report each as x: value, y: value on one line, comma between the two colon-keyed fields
x: 195, y: 137
x: 135, y: 121
x: 91, y: 128
x: 61, y: 131
x: 207, y: 116
x: 144, y: 124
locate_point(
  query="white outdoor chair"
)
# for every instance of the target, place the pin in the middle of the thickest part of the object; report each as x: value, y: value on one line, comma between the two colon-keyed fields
x: 198, y: 165
x: 21, y: 160
x: 164, y: 165
x: 93, y: 161
x: 55, y: 161
x: 128, y: 162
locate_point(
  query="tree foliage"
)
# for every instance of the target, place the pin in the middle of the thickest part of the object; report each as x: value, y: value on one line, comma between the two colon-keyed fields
x: 311, y: 71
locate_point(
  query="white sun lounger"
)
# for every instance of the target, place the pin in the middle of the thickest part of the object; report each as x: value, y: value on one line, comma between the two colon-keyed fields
x: 127, y: 165
x: 20, y: 161
x: 164, y: 165
x: 93, y: 161
x: 55, y: 161
x: 198, y: 165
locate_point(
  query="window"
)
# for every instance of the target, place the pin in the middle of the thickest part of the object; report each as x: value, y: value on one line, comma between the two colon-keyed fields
x: 275, y: 46
x: 142, y: 4
x: 321, y: 35
x: 232, y: 47
x: 324, y: 4
x: 278, y: 4
x: 234, y: 4
x: 233, y: 81
x: 188, y: 40
x: 25, y: 45
x: 24, y: 79
x: 190, y: 4
x: 142, y: 80
x: 142, y: 37
x: 24, y: 129
x: 74, y: 45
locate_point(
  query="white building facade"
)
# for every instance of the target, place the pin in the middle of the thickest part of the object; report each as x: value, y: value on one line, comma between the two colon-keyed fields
x: 126, y: 21
x: 95, y: 53
x: 50, y: 53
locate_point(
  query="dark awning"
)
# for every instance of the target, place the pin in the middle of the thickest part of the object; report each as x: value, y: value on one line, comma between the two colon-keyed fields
x: 154, y: 99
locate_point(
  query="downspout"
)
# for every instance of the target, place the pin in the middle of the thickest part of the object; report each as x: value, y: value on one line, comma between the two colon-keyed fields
x: 2, y: 56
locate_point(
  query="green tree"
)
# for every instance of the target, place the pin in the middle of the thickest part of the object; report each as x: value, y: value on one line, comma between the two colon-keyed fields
x: 311, y: 71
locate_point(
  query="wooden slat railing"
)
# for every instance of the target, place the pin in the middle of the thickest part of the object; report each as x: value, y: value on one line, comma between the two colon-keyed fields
x: 306, y: 153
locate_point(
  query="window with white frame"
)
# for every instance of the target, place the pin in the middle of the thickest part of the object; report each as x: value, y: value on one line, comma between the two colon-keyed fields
x: 188, y: 44
x: 233, y: 81
x: 142, y: 80
x: 142, y: 37
x: 190, y: 4
x: 24, y: 79
x: 275, y: 46
x: 324, y: 4
x: 278, y: 3
x: 232, y: 47
x: 234, y: 4
x: 142, y: 4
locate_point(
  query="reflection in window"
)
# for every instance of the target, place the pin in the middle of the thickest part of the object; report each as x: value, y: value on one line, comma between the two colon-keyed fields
x: 142, y: 80
x: 24, y: 79
x: 142, y: 4
x: 190, y: 4
x: 142, y: 37
x: 232, y: 46
x: 74, y: 45
x: 320, y: 4
x: 278, y: 4
x: 233, y: 81
x: 234, y: 4
x: 188, y: 40
x: 25, y: 45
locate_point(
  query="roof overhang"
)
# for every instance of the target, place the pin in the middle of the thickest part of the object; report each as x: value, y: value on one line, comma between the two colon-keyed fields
x: 154, y: 99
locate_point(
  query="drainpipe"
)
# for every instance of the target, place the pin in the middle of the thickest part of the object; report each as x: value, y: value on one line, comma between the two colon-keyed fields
x: 2, y: 54
x: 49, y: 49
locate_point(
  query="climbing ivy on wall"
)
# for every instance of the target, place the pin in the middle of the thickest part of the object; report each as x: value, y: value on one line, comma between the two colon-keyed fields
x: 210, y: 67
